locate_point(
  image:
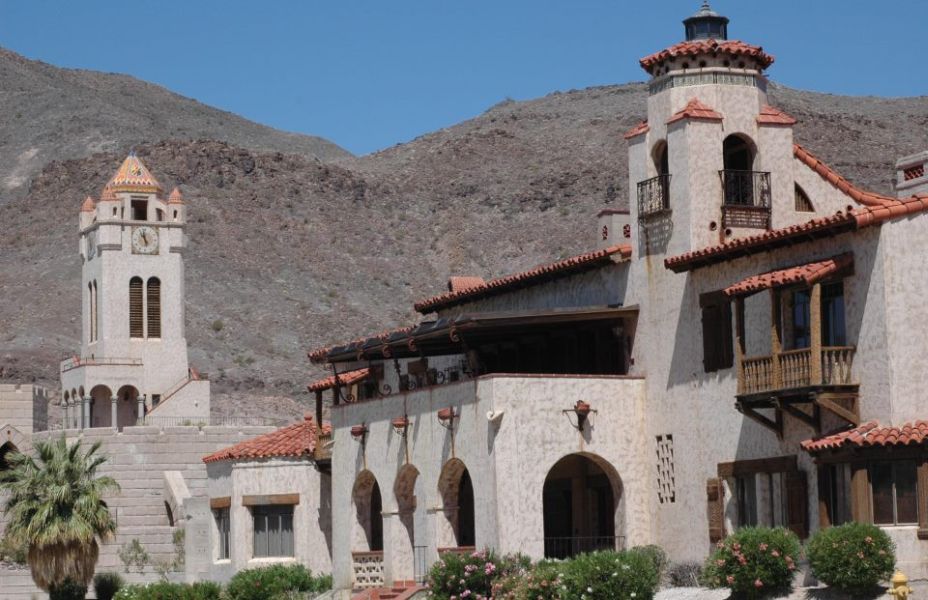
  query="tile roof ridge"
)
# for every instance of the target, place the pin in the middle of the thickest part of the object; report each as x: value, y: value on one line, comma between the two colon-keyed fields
x: 295, y: 440
x: 695, y: 109
x: 840, y: 182
x: 694, y: 47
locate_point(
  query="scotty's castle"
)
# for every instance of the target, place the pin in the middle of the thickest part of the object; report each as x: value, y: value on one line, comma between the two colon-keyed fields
x: 742, y: 345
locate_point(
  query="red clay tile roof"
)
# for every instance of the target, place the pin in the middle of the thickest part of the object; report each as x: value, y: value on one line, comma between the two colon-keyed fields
x: 696, y: 47
x: 457, y: 283
x: 176, y: 197
x: 875, y: 210
x: 318, y: 355
x: 346, y: 378
x: 637, y: 130
x: 695, y: 109
x: 774, y: 116
x: 807, y: 273
x: 133, y: 176
x: 509, y: 282
x: 869, y: 435
x: 296, y: 440
x: 89, y: 205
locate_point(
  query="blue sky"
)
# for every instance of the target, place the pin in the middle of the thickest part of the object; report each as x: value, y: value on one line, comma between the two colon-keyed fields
x: 370, y: 74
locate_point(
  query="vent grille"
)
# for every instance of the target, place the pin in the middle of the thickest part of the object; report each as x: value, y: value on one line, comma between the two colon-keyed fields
x: 154, y: 308
x: 136, y: 326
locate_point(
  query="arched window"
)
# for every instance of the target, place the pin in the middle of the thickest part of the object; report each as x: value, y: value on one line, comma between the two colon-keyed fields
x: 738, y: 176
x: 661, y: 161
x: 91, y: 312
x: 94, y: 312
x: 136, y: 324
x: 153, y: 297
x: 6, y: 451
x: 803, y: 204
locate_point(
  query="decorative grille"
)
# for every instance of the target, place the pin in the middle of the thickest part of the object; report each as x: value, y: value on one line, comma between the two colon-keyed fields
x: 666, y: 486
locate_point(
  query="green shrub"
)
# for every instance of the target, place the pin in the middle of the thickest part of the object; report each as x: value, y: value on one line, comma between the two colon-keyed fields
x: 608, y: 574
x: 105, y: 585
x: 851, y: 557
x: 543, y: 582
x: 163, y: 590
x: 68, y: 590
x: 656, y: 555
x: 265, y: 583
x: 754, y: 562
x: 12, y: 550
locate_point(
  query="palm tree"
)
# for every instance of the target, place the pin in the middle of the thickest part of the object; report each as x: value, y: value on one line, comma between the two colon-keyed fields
x: 55, y: 508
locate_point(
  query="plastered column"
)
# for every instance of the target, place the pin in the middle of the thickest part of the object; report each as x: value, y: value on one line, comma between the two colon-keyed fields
x: 114, y: 409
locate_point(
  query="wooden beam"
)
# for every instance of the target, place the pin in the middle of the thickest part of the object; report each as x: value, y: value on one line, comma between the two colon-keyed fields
x: 811, y: 420
x: 774, y: 464
x: 775, y: 425
x: 276, y: 499
x: 776, y: 343
x: 860, y: 493
x: 815, y: 335
x: 739, y: 340
x: 922, y: 488
x: 224, y: 502
x: 830, y: 403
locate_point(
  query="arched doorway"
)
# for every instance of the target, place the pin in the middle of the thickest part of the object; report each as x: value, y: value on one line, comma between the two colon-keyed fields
x: 738, y: 164
x: 127, y: 406
x: 581, y: 498
x: 457, y: 497
x: 101, y: 406
x: 368, y: 504
x: 403, y: 537
x: 6, y: 450
x: 660, y: 157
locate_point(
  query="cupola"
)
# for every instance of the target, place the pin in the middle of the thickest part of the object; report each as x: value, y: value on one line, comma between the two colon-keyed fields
x: 706, y: 24
x: 133, y: 176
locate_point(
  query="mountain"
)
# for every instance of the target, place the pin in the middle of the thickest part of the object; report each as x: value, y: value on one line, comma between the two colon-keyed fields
x: 51, y: 113
x: 289, y: 252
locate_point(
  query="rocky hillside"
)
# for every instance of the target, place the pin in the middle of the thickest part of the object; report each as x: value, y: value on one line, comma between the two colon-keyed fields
x: 289, y: 252
x: 51, y: 113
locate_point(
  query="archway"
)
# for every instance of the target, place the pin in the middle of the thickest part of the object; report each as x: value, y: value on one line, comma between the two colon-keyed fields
x: 660, y: 157
x: 126, y: 406
x: 368, y: 504
x: 101, y: 406
x: 581, y: 499
x: 738, y: 164
x: 457, y: 496
x: 403, y: 536
x: 5, y: 451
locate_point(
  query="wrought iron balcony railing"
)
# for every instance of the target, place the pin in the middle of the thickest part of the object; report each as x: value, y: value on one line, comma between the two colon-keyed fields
x: 654, y: 196
x: 745, y: 199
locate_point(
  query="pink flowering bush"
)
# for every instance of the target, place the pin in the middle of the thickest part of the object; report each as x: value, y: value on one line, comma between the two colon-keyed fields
x: 544, y: 581
x: 471, y: 576
x: 754, y: 562
x: 854, y: 557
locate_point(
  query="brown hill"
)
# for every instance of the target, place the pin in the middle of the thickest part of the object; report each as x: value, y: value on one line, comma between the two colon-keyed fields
x: 288, y: 252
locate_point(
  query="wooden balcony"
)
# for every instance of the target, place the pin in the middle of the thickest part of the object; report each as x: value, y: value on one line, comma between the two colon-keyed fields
x: 323, y: 451
x: 796, y: 382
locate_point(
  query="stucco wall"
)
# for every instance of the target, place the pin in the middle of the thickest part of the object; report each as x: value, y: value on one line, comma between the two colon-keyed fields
x: 507, y: 460
x: 24, y: 407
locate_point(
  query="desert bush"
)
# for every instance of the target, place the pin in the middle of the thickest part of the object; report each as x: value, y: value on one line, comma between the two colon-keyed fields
x: 754, y: 562
x: 608, y: 574
x: 851, y: 557
x: 656, y: 555
x: 460, y: 575
x: 163, y: 590
x: 67, y: 590
x: 12, y: 550
x: 267, y: 582
x: 105, y: 585
x: 133, y: 555
x: 685, y: 574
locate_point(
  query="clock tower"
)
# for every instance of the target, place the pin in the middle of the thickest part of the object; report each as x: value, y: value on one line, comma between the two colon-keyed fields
x: 133, y: 359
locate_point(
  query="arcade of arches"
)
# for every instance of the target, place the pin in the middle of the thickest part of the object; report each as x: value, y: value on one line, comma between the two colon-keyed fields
x: 100, y: 407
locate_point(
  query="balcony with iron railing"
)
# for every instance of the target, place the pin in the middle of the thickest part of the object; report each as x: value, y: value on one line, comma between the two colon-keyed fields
x: 654, y: 196
x: 746, y: 198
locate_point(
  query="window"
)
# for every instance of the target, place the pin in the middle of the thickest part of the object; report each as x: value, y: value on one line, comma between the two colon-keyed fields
x: 139, y: 210
x: 159, y: 214
x: 802, y: 328
x: 136, y: 325
x: 717, y: 346
x: 153, y: 296
x: 833, y: 322
x: 223, y: 527
x: 155, y: 400
x: 92, y: 309
x: 273, y: 530
x: 802, y: 202
x: 746, y: 491
x: 895, y: 501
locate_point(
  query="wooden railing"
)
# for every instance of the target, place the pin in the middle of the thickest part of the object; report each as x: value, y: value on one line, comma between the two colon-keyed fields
x: 794, y: 369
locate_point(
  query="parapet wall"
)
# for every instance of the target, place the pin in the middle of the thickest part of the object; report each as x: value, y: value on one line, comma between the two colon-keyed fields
x: 25, y: 407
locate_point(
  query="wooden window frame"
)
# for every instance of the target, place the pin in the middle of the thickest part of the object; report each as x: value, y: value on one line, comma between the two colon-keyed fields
x: 274, y: 514
x: 894, y: 467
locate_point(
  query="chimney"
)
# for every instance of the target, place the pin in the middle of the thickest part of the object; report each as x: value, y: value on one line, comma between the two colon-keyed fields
x: 614, y: 226
x: 912, y: 175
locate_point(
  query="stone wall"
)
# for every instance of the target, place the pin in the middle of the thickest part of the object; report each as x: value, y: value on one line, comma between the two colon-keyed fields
x: 24, y: 407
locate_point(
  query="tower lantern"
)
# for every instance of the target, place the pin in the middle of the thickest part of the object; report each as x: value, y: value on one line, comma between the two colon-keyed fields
x: 706, y: 24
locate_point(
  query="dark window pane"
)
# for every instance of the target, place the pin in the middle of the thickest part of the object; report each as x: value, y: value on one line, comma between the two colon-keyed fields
x: 833, y: 322
x: 906, y: 496
x: 261, y: 534
x: 801, y: 327
x: 881, y: 483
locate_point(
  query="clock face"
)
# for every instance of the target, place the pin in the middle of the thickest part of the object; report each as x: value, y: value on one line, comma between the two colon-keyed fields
x: 144, y: 240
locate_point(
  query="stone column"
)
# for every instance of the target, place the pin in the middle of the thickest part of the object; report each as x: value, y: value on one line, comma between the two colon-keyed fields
x: 85, y: 412
x: 113, y: 412
x: 141, y: 408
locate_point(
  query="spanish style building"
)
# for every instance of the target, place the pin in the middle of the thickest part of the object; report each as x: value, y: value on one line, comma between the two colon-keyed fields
x: 742, y: 346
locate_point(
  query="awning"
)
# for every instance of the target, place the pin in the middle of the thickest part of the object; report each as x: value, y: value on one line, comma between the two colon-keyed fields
x: 808, y: 274
x: 447, y: 334
x: 346, y: 378
x: 870, y: 435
